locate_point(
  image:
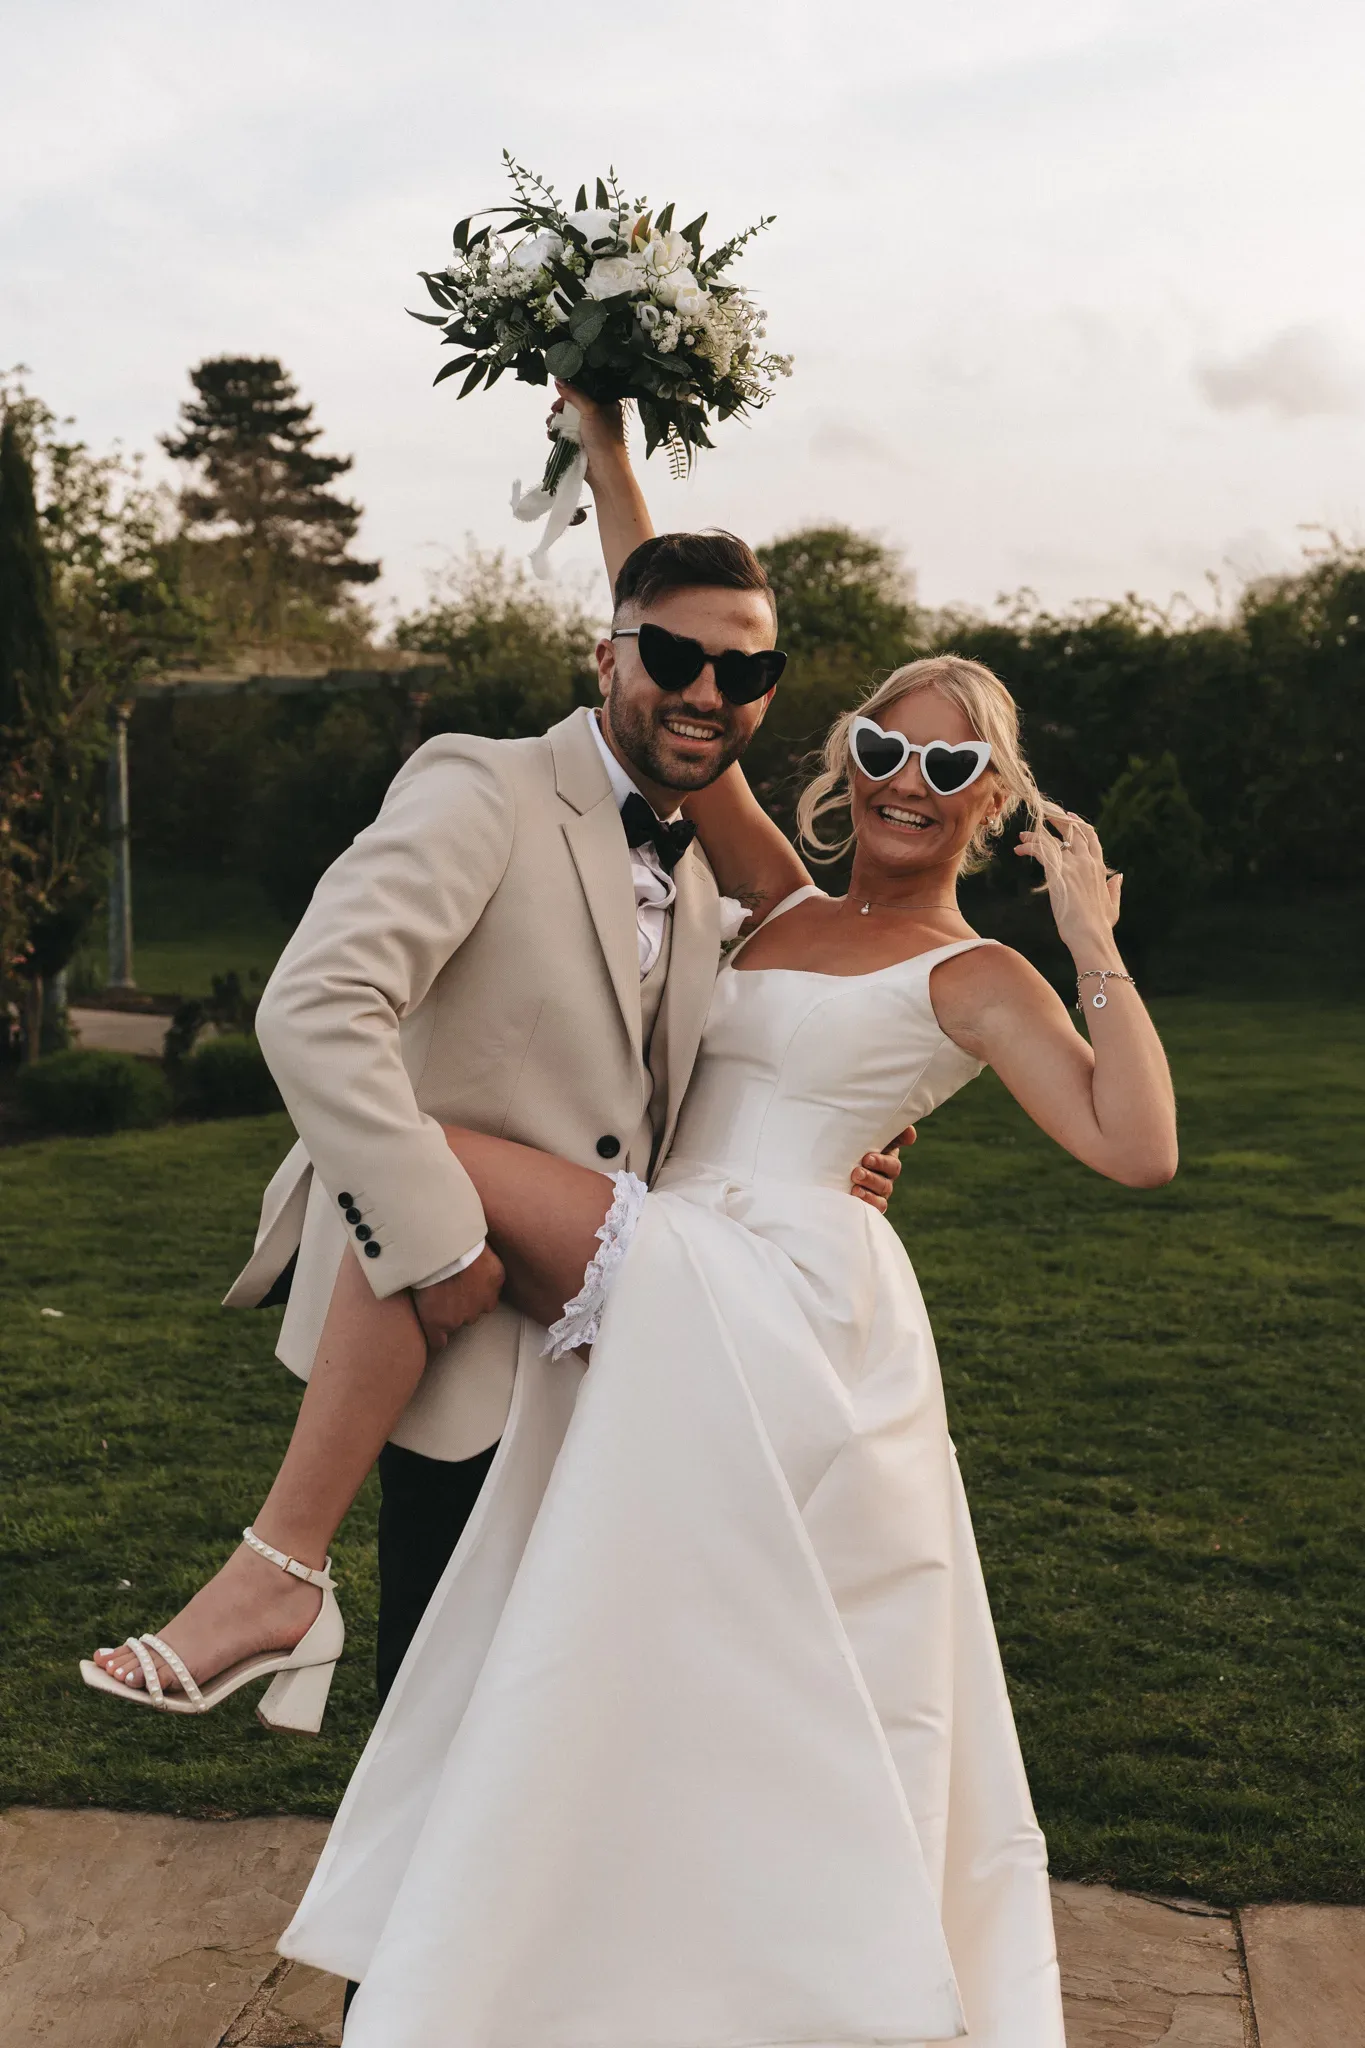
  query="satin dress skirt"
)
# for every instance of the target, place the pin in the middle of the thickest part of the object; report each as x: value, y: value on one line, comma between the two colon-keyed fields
x: 704, y: 1741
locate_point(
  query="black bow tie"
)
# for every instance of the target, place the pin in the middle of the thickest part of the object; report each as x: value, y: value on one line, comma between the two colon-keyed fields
x: 643, y: 827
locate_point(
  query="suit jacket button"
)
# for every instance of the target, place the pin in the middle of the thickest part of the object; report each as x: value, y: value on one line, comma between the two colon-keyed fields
x: 372, y: 1250
x: 353, y: 1215
x: 608, y: 1147
x: 363, y: 1232
x: 346, y: 1201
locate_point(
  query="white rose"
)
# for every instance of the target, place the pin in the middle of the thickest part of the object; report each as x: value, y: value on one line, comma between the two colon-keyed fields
x: 612, y: 275
x: 535, y: 254
x: 667, y: 288
x: 595, y: 226
x: 667, y: 252
x: 691, y: 302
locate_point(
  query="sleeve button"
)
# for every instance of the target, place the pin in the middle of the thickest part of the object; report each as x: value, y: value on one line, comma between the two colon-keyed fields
x: 364, y: 1232
x: 353, y: 1215
x: 608, y: 1147
x: 346, y: 1201
x: 372, y: 1250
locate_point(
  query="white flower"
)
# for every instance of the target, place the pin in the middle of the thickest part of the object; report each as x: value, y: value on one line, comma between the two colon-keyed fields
x: 732, y: 916
x: 669, y: 287
x: 612, y: 275
x: 535, y: 254
x: 692, y: 302
x: 667, y: 252
x: 648, y: 315
x: 596, y: 226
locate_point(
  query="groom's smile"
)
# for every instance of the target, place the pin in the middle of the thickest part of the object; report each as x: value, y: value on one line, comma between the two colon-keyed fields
x: 679, y: 740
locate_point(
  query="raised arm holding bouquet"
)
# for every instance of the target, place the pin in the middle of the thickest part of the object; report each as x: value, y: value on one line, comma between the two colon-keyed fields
x: 615, y: 300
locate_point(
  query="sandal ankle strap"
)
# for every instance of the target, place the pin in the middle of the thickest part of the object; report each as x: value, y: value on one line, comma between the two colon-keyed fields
x: 288, y: 1564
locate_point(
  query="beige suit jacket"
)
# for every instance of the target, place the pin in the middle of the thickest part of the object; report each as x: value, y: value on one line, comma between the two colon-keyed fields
x: 471, y: 958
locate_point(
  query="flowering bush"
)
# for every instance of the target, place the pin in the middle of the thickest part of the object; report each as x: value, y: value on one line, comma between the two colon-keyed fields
x: 612, y: 299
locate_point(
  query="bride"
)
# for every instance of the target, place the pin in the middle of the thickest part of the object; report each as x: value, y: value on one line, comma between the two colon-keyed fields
x: 704, y: 1739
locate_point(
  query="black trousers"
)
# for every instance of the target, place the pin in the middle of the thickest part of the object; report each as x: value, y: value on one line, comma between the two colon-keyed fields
x: 424, y: 1507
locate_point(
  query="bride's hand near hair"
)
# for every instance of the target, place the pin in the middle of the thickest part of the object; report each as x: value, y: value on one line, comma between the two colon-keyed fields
x: 623, y: 519
x: 1109, y: 1101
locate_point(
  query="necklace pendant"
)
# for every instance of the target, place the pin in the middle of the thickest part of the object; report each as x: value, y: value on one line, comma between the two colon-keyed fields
x: 865, y: 909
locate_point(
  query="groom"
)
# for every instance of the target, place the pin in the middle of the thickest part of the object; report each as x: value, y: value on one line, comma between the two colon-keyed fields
x: 524, y: 941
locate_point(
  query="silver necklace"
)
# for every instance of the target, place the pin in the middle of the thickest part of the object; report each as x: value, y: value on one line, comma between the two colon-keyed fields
x: 906, y: 909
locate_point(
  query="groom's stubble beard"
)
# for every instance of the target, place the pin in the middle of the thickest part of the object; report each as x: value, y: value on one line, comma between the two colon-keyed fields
x: 639, y: 732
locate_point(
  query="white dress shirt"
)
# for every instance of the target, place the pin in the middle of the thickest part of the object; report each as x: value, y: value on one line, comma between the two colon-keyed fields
x: 654, y: 896
x: 654, y: 886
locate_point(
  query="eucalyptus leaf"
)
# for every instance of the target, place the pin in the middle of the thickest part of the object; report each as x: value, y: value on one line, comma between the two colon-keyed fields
x: 438, y: 292
x: 580, y: 204
x: 665, y: 220
x: 427, y: 319
x: 564, y: 360
x: 493, y: 375
x: 447, y: 370
x: 587, y: 320
x: 472, y: 381
x: 603, y: 196
x: 461, y: 235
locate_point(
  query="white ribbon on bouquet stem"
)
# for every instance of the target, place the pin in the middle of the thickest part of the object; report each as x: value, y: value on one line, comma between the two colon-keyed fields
x: 562, y: 502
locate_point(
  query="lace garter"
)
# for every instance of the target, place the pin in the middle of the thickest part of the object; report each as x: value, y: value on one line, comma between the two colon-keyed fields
x: 582, y: 1316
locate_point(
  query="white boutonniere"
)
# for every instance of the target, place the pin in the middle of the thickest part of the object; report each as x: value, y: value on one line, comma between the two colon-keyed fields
x: 732, y: 916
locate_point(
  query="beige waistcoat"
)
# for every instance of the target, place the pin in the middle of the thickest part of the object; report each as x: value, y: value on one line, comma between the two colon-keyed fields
x: 472, y: 958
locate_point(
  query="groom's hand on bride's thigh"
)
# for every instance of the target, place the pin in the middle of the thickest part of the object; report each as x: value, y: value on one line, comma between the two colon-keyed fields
x: 451, y: 1304
x: 878, y: 1173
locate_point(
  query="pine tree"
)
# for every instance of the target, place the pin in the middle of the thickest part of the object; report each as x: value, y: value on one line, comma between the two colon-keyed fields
x: 262, y: 489
x: 30, y: 659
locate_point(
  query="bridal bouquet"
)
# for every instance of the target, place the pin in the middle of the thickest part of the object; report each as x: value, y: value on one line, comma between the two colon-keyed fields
x: 611, y: 298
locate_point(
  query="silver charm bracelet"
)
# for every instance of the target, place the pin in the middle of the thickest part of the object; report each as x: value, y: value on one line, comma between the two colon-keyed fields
x: 1101, y: 974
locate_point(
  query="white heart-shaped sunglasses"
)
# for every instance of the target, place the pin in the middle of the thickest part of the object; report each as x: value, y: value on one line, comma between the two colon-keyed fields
x: 946, y: 769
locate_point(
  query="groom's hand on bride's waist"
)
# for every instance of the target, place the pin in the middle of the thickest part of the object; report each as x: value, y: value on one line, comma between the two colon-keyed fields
x: 452, y: 1304
x: 876, y: 1176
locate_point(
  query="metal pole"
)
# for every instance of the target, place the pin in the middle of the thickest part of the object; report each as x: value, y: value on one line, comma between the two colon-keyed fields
x: 120, y: 862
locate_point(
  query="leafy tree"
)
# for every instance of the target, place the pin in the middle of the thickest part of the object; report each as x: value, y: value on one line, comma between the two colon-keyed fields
x: 273, y: 537
x: 518, y: 658
x: 30, y: 661
x: 90, y: 597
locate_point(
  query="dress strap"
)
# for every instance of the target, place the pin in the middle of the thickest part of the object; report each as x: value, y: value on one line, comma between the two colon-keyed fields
x: 801, y: 895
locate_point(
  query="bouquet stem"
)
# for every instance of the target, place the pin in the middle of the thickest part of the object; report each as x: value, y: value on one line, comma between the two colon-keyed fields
x: 562, y: 453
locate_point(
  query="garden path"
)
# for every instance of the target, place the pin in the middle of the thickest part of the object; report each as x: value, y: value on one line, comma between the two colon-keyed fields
x: 131, y: 1930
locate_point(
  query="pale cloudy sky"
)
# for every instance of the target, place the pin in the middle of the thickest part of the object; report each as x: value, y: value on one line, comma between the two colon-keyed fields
x: 1075, y: 287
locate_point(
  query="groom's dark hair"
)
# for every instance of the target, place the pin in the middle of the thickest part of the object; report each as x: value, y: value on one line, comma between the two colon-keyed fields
x: 689, y: 561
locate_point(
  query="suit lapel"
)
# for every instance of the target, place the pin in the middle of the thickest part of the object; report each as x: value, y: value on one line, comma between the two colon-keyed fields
x: 691, y: 978
x: 598, y: 847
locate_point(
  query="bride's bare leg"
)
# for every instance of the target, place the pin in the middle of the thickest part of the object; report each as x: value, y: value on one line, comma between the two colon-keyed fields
x: 543, y: 1215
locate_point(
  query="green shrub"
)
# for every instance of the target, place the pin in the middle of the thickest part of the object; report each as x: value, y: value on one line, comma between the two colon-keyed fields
x: 93, y: 1091
x: 229, y: 1077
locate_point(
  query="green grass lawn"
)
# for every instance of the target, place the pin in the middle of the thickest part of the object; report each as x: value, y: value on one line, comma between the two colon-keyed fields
x: 1157, y: 1399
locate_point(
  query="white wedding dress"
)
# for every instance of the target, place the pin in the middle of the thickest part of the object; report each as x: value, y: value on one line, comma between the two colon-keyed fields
x: 704, y: 1740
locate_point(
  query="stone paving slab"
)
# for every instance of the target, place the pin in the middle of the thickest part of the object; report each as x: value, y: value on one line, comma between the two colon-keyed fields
x: 1140, y: 1972
x: 1307, y: 1971
x: 134, y: 1930
x: 123, y: 1930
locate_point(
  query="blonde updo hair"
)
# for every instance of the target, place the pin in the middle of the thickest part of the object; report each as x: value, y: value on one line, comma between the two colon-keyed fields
x: 994, y: 717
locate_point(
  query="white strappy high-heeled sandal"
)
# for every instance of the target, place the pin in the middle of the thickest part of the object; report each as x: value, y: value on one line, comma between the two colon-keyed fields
x: 302, y: 1676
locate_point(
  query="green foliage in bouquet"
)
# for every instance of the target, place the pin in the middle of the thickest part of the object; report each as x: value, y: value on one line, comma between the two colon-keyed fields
x: 610, y: 298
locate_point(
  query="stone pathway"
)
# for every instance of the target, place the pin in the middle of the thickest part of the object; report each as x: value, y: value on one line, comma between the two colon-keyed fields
x: 128, y: 1930
x: 134, y: 1031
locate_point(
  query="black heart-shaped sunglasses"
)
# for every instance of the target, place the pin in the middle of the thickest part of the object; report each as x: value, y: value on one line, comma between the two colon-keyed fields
x: 946, y: 769
x: 672, y: 663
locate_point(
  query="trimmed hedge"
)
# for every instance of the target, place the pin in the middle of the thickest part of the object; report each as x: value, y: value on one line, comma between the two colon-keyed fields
x: 93, y: 1091
x: 228, y: 1077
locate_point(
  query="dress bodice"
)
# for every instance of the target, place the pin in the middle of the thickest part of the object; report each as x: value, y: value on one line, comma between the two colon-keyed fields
x: 800, y: 1073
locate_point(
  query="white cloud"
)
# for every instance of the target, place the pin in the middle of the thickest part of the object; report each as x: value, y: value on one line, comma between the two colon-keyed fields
x: 1298, y: 374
